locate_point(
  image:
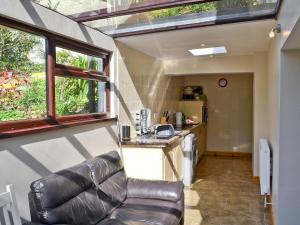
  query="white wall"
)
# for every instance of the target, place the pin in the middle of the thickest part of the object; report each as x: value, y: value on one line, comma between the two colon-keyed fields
x: 289, y: 154
x: 256, y: 64
x: 260, y: 105
x: 205, y: 65
x: 25, y: 159
x: 28, y: 158
x: 230, y: 114
x: 284, y: 111
x: 142, y: 83
x: 273, y: 115
x: 288, y: 17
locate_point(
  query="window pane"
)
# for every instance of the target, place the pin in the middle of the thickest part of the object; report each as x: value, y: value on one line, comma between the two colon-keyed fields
x: 201, y: 13
x: 79, y: 60
x: 79, y: 96
x: 70, y: 7
x: 22, y: 75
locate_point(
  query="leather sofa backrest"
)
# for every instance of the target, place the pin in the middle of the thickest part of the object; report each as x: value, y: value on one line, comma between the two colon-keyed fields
x: 71, y: 196
x: 104, y: 166
x: 109, y: 177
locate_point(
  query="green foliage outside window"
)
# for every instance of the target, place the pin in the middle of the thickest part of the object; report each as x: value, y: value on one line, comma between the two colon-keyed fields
x: 23, y: 79
x: 22, y: 95
x: 71, y: 93
x: 201, y: 7
x: 15, y: 47
x: 181, y: 10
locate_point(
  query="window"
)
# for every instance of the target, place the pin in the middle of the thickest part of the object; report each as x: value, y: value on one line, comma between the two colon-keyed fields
x: 80, y: 83
x: 49, y: 82
x: 22, y: 75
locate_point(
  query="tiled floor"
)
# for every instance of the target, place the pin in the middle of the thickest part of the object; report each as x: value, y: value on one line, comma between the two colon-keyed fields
x: 224, y: 194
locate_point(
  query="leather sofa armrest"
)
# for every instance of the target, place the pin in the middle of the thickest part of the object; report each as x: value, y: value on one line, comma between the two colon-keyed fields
x: 163, y: 190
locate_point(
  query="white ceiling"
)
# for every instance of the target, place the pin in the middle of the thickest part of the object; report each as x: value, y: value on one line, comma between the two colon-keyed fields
x: 239, y: 38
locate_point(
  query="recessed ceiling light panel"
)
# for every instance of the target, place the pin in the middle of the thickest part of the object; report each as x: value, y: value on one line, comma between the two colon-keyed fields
x: 208, y: 51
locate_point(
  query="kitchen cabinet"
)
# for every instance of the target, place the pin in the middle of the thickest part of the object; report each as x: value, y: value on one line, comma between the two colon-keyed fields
x: 154, y: 162
x: 160, y: 159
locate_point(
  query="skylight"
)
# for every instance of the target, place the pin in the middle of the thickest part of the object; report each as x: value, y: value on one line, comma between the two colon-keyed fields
x: 208, y: 51
x: 121, y: 18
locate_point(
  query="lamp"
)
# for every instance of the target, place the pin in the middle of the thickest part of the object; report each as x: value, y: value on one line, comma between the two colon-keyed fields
x: 275, y: 30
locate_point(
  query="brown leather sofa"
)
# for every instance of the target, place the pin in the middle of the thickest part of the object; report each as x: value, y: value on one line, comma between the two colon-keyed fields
x: 97, y: 192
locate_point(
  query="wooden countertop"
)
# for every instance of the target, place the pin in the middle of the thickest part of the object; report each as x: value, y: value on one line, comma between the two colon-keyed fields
x: 153, y: 142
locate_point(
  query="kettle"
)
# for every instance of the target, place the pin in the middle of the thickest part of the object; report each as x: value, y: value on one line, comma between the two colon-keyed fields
x: 179, y: 119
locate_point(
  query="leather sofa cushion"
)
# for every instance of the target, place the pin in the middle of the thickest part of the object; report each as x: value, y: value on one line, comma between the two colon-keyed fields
x: 57, y: 188
x: 84, y: 209
x: 69, y: 197
x: 148, y: 211
x: 163, y: 190
x: 119, y: 222
x: 115, y: 187
x: 104, y: 166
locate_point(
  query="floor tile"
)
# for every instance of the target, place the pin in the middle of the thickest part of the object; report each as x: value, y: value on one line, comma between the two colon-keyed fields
x: 223, y: 193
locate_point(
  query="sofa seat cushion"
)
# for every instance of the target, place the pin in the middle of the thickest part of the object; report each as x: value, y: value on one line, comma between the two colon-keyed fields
x: 148, y: 211
x: 109, y: 221
x: 161, y: 190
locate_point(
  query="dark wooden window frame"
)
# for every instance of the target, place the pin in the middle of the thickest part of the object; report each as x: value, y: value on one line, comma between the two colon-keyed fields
x: 23, y: 127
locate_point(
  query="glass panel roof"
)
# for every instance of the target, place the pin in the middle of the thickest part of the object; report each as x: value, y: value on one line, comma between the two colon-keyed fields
x: 125, y: 17
x: 69, y: 7
x: 93, y: 7
x: 183, y: 16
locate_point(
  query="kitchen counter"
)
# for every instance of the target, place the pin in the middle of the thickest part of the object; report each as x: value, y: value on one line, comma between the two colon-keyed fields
x: 187, y: 127
x: 152, y: 142
x: 147, y: 157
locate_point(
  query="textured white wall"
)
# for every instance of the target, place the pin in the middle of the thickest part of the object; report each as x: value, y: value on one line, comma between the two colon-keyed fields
x: 230, y: 114
x: 283, y: 115
x: 256, y: 64
x: 260, y: 105
x: 289, y: 154
x: 273, y: 114
x: 230, y: 65
x: 25, y: 159
x: 143, y: 84
x: 28, y: 158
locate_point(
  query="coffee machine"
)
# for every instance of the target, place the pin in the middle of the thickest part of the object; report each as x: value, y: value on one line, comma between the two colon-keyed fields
x: 143, y: 121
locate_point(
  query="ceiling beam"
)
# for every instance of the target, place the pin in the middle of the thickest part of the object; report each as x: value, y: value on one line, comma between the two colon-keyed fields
x: 133, y: 8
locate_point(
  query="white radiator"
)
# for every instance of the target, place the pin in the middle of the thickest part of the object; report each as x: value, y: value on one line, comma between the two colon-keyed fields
x: 264, y: 166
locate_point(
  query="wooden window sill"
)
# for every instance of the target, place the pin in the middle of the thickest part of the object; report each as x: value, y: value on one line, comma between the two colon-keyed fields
x: 40, y: 126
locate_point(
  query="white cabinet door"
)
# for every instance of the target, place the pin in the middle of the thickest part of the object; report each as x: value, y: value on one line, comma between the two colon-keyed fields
x: 143, y: 163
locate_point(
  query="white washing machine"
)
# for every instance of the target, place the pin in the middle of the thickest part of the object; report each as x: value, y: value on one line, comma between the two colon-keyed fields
x: 190, y: 158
